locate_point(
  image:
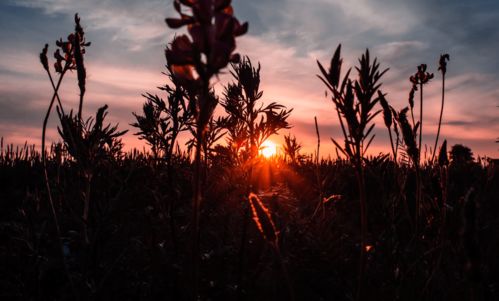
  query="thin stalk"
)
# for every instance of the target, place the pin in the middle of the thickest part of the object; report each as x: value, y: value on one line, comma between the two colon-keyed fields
x: 412, y: 116
x: 363, y: 230
x: 56, y: 92
x: 419, y: 189
x: 418, y: 199
x: 318, y: 171
x: 86, y: 208
x: 393, y: 147
x: 440, y: 118
x: 420, y: 121
x: 246, y: 217
x: 171, y: 203
x: 47, y: 184
x: 195, y: 212
x: 242, y: 249
x: 47, y: 115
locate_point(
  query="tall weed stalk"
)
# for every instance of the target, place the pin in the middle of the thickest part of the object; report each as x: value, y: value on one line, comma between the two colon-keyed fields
x: 354, y: 102
x: 443, y: 70
x: 195, y: 58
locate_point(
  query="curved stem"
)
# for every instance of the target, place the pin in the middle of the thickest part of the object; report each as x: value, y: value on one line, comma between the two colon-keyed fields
x: 56, y: 92
x: 440, y: 119
x: 47, y: 115
x: 46, y: 179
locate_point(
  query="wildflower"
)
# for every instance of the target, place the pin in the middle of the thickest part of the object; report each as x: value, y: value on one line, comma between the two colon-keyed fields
x: 212, y: 29
x: 421, y: 77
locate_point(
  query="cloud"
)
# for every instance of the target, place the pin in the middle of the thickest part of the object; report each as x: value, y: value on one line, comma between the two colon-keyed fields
x: 140, y: 22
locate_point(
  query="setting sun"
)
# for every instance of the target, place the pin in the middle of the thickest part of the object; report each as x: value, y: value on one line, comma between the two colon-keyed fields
x: 268, y: 149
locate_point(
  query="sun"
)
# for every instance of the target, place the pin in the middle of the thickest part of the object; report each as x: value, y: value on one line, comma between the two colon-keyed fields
x: 268, y: 149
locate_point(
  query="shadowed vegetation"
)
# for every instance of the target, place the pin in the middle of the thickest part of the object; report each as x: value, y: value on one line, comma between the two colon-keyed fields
x: 214, y: 219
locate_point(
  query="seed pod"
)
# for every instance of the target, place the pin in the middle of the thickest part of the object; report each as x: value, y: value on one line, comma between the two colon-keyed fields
x: 387, y: 112
x: 262, y: 218
x: 43, y: 57
x: 443, y: 160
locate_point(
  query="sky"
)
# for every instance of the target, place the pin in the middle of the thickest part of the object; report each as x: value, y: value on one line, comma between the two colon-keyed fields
x: 126, y: 59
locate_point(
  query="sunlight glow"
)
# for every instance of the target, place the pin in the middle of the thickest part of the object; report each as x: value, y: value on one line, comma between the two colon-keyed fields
x: 268, y: 149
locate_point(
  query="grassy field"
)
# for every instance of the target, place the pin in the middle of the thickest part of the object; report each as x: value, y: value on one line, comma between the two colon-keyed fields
x: 221, y: 219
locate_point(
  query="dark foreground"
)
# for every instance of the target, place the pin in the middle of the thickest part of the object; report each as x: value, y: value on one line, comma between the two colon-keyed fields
x: 137, y: 244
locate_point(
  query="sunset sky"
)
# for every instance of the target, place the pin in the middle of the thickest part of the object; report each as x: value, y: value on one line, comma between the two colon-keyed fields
x: 126, y: 59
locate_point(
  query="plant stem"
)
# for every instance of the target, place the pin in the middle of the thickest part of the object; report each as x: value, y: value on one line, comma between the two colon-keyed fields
x: 47, y: 115
x: 318, y: 171
x: 242, y: 249
x: 47, y: 184
x: 420, y: 121
x: 440, y: 118
x: 363, y: 230
x: 86, y: 208
x: 195, y: 212
x: 56, y: 92
x: 393, y: 147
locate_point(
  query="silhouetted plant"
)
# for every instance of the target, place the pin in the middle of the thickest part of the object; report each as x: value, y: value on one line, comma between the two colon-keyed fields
x: 409, y: 134
x: 249, y: 124
x: 354, y: 103
x: 215, y: 131
x: 421, y: 77
x: 90, y: 143
x: 442, y: 67
x: 212, y: 28
x: 71, y: 58
x: 443, y: 163
x: 163, y: 121
x: 292, y: 148
x: 388, y: 119
x: 248, y: 121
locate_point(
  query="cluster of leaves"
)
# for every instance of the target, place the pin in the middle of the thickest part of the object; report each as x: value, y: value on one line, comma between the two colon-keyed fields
x: 91, y: 142
x: 354, y: 102
x: 163, y: 121
x: 292, y: 148
x: 248, y: 122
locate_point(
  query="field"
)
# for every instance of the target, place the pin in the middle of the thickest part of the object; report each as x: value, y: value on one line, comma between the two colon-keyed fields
x: 224, y: 217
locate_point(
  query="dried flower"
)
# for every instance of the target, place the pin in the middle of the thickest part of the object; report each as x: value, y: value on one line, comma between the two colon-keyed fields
x: 43, y: 57
x: 442, y: 63
x: 421, y: 77
x: 443, y: 160
x: 409, y: 135
x: 387, y: 112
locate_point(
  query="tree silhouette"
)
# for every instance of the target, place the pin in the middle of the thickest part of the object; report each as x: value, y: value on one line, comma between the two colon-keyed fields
x: 461, y: 154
